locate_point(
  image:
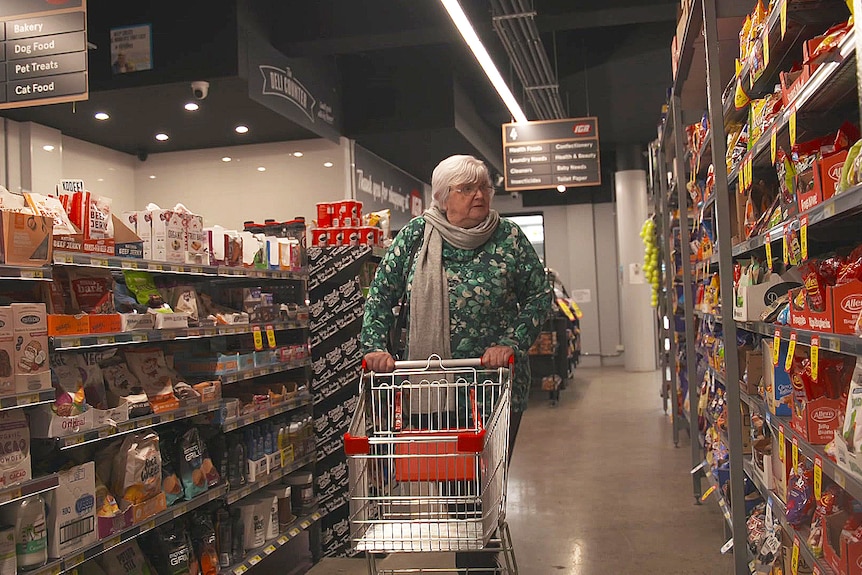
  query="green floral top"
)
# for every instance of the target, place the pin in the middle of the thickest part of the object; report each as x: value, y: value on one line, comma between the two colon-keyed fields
x: 498, y: 295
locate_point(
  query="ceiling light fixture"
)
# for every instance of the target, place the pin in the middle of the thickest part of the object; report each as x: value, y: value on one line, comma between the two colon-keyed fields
x: 261, y: 169
x: 162, y: 137
x: 152, y: 177
x: 297, y: 154
x: 48, y: 148
x: 192, y: 107
x: 101, y: 115
x: 456, y: 13
x: 561, y: 188
x: 327, y: 164
x: 241, y: 129
x: 226, y: 159
x: 101, y: 180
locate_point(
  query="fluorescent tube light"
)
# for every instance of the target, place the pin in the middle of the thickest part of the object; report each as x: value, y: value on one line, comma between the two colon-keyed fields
x: 469, y: 34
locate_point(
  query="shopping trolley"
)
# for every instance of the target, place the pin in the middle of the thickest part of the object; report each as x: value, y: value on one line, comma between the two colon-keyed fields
x: 427, y: 457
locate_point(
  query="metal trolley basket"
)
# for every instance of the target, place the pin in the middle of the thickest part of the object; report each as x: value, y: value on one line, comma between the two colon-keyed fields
x: 427, y: 456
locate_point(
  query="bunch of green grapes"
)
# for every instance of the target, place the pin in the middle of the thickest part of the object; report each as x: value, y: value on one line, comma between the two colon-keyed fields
x: 651, y: 263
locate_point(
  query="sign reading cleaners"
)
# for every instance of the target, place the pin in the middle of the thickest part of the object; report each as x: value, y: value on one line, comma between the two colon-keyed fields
x: 43, y: 52
x: 546, y: 154
x: 380, y: 185
x: 298, y: 89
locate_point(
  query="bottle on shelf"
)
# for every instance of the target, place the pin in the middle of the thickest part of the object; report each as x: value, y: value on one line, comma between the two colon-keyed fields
x: 224, y: 537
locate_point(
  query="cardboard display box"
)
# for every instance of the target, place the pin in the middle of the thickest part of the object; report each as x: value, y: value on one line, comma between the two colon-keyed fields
x: 62, y: 324
x: 818, y: 420
x: 25, y: 240
x: 32, y: 371
x: 46, y: 424
x: 125, y: 240
x: 842, y: 306
x: 776, y: 381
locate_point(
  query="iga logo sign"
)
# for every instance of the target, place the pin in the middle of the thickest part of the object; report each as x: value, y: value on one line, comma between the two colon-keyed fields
x: 582, y: 129
x: 852, y: 303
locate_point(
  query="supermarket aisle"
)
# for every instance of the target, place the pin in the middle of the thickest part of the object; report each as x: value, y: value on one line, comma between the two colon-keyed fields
x: 597, y: 488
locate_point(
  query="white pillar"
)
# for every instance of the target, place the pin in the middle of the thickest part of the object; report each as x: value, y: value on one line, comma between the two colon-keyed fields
x: 637, y: 317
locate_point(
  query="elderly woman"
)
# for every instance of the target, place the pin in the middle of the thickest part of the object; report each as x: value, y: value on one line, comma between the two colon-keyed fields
x: 475, y: 287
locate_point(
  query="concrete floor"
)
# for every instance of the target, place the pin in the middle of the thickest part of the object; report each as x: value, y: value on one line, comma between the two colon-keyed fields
x: 597, y: 488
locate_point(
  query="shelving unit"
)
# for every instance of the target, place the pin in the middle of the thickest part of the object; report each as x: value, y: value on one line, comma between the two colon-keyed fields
x: 270, y: 478
x: 26, y: 399
x: 255, y: 556
x: 706, y: 80
x: 298, y: 402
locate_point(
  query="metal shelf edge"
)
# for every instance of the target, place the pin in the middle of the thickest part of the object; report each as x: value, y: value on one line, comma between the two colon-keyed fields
x: 255, y: 556
x: 232, y: 497
x: 290, y: 405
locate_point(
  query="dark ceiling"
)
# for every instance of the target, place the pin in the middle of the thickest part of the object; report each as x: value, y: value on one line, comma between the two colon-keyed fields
x: 399, y: 63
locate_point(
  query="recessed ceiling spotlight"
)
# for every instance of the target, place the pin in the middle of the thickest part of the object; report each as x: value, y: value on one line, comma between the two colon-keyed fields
x: 101, y: 180
x: 48, y: 148
x: 101, y: 115
x: 261, y: 169
x: 327, y: 164
x: 241, y: 129
x: 152, y: 177
x: 297, y: 154
x: 191, y: 106
x: 561, y: 188
x: 226, y: 159
x: 162, y: 137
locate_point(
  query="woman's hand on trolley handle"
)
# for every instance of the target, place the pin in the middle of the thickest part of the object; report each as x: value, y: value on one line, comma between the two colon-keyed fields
x: 379, y: 361
x: 497, y: 356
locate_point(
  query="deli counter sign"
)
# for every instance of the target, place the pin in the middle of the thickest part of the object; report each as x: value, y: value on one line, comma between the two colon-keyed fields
x: 546, y: 154
x: 43, y: 52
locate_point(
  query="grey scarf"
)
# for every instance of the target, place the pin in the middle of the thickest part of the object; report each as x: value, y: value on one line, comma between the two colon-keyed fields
x: 429, y: 296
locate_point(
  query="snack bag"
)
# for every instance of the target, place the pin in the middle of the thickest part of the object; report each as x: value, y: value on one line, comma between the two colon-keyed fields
x: 142, y: 285
x: 191, y: 462
x: 92, y: 291
x: 125, y: 559
x: 800, y: 495
x: 137, y: 472
x: 119, y: 382
x: 50, y: 207
x: 852, y: 431
x: 171, y: 484
x: 149, y: 366
x: 99, y: 224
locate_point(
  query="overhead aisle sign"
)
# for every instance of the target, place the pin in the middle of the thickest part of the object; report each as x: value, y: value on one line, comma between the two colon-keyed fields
x: 43, y: 52
x: 546, y: 154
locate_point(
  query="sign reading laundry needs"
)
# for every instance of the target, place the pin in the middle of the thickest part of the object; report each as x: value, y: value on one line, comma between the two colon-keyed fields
x: 299, y: 89
x: 44, y: 57
x: 546, y: 154
x: 380, y: 185
x: 131, y: 49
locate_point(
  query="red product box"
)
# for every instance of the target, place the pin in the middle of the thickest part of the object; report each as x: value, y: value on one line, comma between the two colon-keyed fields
x: 322, y: 236
x: 351, y: 237
x: 827, y: 173
x: 802, y: 317
x: 818, y: 420
x: 337, y: 237
x: 845, y: 301
x: 325, y: 211
x: 59, y: 324
x: 793, y: 82
x: 367, y: 236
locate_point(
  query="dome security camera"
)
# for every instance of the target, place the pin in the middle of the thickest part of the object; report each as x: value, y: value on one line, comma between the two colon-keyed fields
x: 200, y: 89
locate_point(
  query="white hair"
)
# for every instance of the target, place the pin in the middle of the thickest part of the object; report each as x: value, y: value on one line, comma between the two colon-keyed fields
x: 455, y: 170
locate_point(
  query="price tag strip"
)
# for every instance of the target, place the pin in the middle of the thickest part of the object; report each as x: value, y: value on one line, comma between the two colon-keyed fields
x: 781, y: 448
x: 818, y: 477
x: 776, y: 347
x: 794, y: 452
x: 814, y: 356
x: 791, y: 350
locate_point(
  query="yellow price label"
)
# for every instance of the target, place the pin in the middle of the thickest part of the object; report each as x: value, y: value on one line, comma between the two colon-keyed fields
x: 814, y: 356
x: 792, y: 127
x: 794, y: 557
x: 240, y: 570
x: 776, y: 347
x: 766, y: 47
x: 791, y: 349
x: 818, y: 478
x: 773, y: 145
x: 768, y: 246
x: 258, y: 338
x: 269, y: 549
x: 294, y: 532
x: 270, y: 336
x: 785, y: 252
x: 781, y: 449
x: 707, y: 493
x: 254, y: 560
x: 803, y: 238
x: 794, y: 452
x: 784, y: 18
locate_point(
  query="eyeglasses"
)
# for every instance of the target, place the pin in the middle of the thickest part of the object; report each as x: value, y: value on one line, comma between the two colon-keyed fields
x: 470, y: 189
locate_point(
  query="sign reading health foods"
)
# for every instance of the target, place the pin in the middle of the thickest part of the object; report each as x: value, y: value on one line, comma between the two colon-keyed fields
x: 546, y: 154
x: 43, y: 52
x: 298, y: 89
x: 380, y: 185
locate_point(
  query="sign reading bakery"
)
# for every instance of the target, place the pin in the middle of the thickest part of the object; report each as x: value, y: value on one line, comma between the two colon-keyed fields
x: 547, y: 154
x: 43, y: 52
x: 381, y: 186
x: 297, y: 88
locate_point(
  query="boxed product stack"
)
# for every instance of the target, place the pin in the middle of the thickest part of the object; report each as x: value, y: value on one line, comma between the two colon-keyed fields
x: 342, y: 224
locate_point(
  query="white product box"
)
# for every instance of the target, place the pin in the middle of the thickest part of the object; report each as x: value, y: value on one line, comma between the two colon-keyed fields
x: 44, y: 423
x: 749, y: 302
x: 139, y: 222
x: 32, y: 369
x: 7, y: 351
x: 256, y: 469
x: 170, y: 320
x: 196, y: 240
x: 215, y: 239
x: 15, y: 434
x: 71, y: 510
x: 273, y: 258
x: 169, y: 244
x: 137, y: 321
x: 114, y: 415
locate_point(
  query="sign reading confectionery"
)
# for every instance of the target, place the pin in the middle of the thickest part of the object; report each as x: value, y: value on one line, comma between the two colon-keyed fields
x: 380, y: 186
x: 547, y: 154
x: 298, y: 89
x: 43, y: 52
